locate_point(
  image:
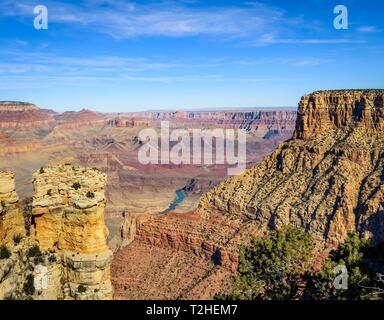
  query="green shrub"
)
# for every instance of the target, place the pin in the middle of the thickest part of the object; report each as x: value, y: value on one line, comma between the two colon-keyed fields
x: 4, y: 252
x: 272, y: 267
x: 360, y: 258
x: 81, y: 288
x: 52, y: 258
x: 49, y: 192
x: 27, y: 213
x: 76, y: 186
x: 34, y: 251
x: 42, y: 170
x: 17, y: 238
x: 38, y: 259
x: 90, y: 194
x: 29, y: 285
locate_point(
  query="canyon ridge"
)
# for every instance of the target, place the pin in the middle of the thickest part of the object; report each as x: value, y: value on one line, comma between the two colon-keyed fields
x: 98, y: 220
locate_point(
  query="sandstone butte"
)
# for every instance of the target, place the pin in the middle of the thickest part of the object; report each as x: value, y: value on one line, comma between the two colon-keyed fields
x: 326, y: 179
x: 67, y: 224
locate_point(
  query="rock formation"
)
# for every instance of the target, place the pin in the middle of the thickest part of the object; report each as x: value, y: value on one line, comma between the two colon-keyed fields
x: 81, y: 119
x: 17, y: 106
x: 328, y: 179
x: 11, y: 217
x: 66, y: 249
x: 23, y: 115
x: 257, y: 121
x: 68, y: 215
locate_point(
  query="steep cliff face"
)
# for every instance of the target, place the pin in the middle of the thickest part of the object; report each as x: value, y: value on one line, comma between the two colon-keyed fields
x: 68, y: 216
x: 64, y: 255
x: 328, y: 179
x: 23, y: 115
x: 17, y: 106
x: 257, y: 121
x: 340, y: 110
x: 11, y: 217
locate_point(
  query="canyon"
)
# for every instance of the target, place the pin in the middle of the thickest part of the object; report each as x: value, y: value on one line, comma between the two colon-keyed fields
x: 321, y: 171
x: 326, y: 179
x: 110, y: 143
x: 51, y: 147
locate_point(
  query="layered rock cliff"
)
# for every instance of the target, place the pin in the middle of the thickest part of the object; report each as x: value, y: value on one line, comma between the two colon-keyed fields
x: 11, y: 217
x: 17, y: 106
x: 328, y: 179
x: 257, y: 121
x: 65, y: 255
x: 22, y: 115
x: 68, y: 215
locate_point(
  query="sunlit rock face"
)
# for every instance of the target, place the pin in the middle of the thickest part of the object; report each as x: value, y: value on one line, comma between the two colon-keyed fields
x: 11, y: 217
x: 328, y: 179
x: 68, y: 217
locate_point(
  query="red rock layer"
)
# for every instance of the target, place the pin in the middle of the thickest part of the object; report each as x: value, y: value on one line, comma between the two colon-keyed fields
x: 25, y: 119
x: 73, y: 120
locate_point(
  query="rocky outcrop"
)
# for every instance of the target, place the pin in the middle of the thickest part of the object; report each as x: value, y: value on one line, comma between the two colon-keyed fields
x: 17, y: 106
x: 340, y: 110
x: 261, y: 122
x: 11, y: 217
x: 128, y: 123
x: 20, y: 115
x: 327, y: 180
x: 81, y: 119
x: 68, y: 216
x: 65, y: 255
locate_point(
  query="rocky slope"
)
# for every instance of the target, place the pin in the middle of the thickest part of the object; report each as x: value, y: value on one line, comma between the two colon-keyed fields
x: 328, y: 179
x: 20, y: 115
x: 17, y: 106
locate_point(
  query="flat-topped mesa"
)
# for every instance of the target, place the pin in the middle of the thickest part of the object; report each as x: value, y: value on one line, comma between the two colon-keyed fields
x: 11, y: 218
x: 17, y: 106
x: 344, y: 110
x: 24, y: 115
x: 68, y: 216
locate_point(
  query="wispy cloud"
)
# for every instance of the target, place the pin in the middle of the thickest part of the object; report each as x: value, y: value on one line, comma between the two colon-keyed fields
x: 121, y: 19
x: 268, y: 39
x: 368, y: 29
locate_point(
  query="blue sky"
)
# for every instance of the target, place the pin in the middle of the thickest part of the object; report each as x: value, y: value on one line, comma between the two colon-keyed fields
x: 118, y: 55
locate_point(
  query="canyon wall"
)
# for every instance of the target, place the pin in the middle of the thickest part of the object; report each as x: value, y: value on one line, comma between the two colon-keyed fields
x: 23, y: 116
x: 261, y: 121
x: 11, y: 217
x: 65, y: 243
x: 327, y: 179
x: 17, y: 106
x: 68, y: 215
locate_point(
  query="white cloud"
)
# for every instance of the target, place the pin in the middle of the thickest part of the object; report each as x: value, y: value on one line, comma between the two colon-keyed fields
x: 122, y: 19
x: 368, y: 29
x: 268, y: 39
